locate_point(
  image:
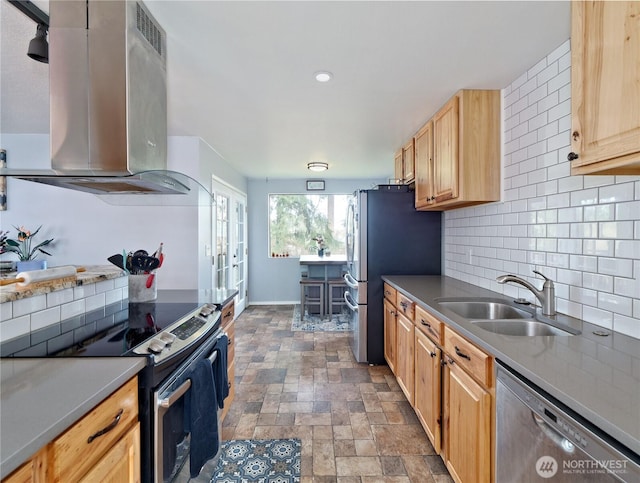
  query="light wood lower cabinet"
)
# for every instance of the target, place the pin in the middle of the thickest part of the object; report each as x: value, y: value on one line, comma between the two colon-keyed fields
x: 228, y: 324
x: 467, y: 432
x: 428, y: 387
x: 390, y: 342
x: 405, y: 361
x: 449, y: 382
x: 102, y: 446
x: 121, y: 463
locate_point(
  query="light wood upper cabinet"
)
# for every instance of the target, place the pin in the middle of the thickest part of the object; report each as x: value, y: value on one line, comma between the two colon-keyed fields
x: 464, y: 168
x: 605, y: 88
x: 408, y: 163
x: 423, y: 142
x: 398, y: 167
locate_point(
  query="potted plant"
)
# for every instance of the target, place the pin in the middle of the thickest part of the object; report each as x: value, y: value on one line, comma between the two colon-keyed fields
x: 23, y: 247
x: 320, y: 245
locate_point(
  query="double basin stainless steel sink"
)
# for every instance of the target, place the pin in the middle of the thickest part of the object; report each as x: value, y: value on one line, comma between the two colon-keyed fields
x: 500, y: 317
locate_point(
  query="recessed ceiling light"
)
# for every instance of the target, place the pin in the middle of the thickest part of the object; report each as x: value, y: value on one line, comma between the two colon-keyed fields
x: 317, y: 166
x: 323, y: 76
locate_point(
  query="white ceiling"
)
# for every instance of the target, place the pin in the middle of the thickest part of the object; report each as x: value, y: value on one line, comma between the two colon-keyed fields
x: 240, y: 74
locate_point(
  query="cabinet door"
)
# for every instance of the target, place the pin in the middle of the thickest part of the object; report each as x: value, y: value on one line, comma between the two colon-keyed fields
x: 428, y: 387
x: 424, y: 166
x: 467, y: 413
x: 605, y: 48
x: 121, y: 464
x: 398, y: 168
x: 446, y: 151
x: 390, y: 335
x: 404, y: 356
x: 408, y: 164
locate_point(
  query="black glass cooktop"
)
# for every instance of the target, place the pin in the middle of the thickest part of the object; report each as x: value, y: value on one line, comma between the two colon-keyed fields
x: 113, y: 331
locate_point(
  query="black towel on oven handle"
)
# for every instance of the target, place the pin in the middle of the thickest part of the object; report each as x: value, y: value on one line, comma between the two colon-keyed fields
x: 202, y: 417
x: 220, y: 376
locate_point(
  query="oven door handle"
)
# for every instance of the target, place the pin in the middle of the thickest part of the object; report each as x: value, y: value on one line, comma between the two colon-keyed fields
x: 167, y: 402
x: 212, y: 358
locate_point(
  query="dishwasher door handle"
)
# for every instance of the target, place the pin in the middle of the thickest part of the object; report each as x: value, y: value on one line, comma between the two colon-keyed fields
x: 560, y: 441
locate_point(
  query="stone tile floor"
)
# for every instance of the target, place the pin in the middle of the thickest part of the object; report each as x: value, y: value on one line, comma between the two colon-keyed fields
x: 355, y: 424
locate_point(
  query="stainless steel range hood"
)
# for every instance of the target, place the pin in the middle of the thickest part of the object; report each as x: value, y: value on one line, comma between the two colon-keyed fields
x: 107, y: 63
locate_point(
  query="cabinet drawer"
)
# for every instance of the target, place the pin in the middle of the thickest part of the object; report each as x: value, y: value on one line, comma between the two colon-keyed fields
x: 228, y: 311
x: 390, y: 294
x: 472, y: 359
x: 231, y: 333
x: 405, y: 306
x: 429, y: 325
x: 80, y: 447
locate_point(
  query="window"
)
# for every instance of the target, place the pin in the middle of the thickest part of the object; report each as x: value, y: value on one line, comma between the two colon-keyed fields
x: 295, y: 220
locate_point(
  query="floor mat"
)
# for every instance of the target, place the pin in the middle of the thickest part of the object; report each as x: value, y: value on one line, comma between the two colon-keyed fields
x: 258, y: 460
x: 313, y: 322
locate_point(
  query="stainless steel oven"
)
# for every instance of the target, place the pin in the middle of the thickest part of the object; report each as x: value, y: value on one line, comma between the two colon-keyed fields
x: 173, y: 441
x: 173, y: 336
x: 539, y: 439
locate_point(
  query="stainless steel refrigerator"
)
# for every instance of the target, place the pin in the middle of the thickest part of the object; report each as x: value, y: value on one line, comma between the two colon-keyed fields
x: 385, y: 236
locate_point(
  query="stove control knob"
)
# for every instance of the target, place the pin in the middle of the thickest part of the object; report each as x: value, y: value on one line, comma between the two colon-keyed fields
x: 167, y: 337
x: 207, y: 310
x: 155, y: 347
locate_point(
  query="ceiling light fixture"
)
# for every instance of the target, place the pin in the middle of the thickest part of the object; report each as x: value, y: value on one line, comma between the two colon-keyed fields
x: 39, y: 47
x: 323, y: 76
x: 317, y: 166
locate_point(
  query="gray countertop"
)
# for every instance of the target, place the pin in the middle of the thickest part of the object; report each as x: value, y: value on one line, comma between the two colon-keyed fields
x: 597, y: 377
x: 41, y: 398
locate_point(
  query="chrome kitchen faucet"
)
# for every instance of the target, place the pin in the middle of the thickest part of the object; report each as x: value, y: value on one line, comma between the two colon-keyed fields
x: 546, y: 296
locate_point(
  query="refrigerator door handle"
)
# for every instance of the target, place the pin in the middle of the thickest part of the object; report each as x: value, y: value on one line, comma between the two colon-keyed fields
x: 350, y: 281
x: 349, y: 301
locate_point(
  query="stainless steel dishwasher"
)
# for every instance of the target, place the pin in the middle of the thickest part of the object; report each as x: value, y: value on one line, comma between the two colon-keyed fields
x: 539, y: 439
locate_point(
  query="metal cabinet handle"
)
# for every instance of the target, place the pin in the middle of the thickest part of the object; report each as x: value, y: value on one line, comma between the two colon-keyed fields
x: 103, y: 431
x: 432, y: 354
x: 462, y: 354
x: 571, y: 156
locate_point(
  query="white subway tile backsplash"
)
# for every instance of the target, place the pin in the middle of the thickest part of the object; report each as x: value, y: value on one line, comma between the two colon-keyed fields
x: 615, y: 303
x: 12, y: 328
x: 6, y: 311
x: 45, y: 318
x: 628, y: 211
x: 582, y: 231
x: 626, y: 325
x: 104, y: 286
x: 615, y: 266
x: 72, y: 309
x: 95, y: 302
x: 83, y: 291
x: 627, y: 248
x: 616, y: 193
x: 59, y: 297
x: 29, y: 305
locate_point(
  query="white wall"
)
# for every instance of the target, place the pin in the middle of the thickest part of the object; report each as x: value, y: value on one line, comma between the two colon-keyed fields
x: 276, y: 280
x: 581, y: 231
x: 87, y: 230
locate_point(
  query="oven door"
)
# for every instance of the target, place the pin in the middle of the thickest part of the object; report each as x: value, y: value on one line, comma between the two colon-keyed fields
x: 172, y: 442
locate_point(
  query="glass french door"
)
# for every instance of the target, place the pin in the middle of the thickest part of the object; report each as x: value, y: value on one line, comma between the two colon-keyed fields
x: 230, y: 267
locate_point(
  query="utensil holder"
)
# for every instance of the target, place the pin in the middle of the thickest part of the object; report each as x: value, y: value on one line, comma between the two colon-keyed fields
x: 138, y: 291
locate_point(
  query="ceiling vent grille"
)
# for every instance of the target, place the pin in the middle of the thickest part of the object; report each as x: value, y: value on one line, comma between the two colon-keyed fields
x: 149, y: 30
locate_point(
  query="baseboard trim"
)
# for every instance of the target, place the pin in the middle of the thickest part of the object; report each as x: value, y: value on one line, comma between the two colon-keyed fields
x: 286, y: 302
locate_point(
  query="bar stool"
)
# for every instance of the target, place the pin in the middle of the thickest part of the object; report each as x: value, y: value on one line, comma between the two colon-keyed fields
x: 335, y: 299
x: 311, y: 293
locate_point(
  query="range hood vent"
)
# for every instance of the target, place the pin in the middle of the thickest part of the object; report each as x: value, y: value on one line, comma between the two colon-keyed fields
x: 108, y: 93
